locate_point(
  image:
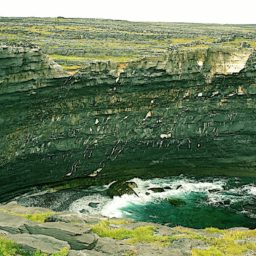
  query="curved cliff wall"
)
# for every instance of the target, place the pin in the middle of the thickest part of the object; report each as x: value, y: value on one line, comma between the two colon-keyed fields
x: 191, y: 111
x: 20, y: 67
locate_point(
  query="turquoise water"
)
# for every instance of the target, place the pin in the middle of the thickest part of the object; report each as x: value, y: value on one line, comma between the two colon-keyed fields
x: 198, y: 203
x: 189, y: 211
x: 186, y: 201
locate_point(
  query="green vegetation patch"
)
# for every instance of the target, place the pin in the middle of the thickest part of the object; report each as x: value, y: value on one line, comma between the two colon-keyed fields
x: 229, y: 242
x: 75, y: 41
x: 142, y: 234
x: 39, y: 217
x: 222, y: 242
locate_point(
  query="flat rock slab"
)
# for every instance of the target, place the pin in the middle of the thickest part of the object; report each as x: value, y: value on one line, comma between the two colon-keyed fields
x: 67, y: 217
x: 12, y: 224
x: 108, y: 246
x: 3, y: 232
x: 78, y: 238
x: 43, y: 243
x: 87, y: 253
x: 68, y: 228
x: 74, y: 218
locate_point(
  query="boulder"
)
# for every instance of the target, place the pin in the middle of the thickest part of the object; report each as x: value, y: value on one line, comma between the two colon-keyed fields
x: 120, y: 188
x: 157, y: 189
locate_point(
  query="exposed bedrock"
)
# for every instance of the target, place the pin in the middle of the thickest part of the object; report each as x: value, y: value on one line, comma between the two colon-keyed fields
x: 192, y: 111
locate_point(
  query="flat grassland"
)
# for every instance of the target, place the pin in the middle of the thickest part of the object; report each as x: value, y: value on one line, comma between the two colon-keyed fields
x: 75, y: 42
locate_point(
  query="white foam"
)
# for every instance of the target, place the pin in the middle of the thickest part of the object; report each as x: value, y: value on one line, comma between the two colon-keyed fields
x: 178, y: 187
x: 250, y: 189
x: 82, y: 204
x: 184, y: 185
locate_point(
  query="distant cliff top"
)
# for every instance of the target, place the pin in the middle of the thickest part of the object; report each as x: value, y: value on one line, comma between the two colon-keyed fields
x: 75, y: 42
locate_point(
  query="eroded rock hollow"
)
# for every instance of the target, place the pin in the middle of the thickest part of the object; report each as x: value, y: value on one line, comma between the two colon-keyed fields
x: 191, y: 111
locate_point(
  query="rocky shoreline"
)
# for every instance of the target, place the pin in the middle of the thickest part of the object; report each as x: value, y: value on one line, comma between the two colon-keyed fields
x: 67, y: 233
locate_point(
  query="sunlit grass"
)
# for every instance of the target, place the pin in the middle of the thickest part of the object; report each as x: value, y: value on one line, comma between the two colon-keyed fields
x: 90, y: 58
x: 39, y: 217
x: 142, y: 234
x: 217, y: 241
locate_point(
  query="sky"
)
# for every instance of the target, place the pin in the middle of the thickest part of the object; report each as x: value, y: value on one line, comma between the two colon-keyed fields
x: 205, y: 11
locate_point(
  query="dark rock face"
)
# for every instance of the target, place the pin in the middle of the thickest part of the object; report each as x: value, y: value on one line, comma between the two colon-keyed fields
x: 24, y: 68
x: 191, y: 111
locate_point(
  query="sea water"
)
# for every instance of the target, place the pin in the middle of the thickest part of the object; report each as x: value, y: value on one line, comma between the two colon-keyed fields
x: 186, y: 201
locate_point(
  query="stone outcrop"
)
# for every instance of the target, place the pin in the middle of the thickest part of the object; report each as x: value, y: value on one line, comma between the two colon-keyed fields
x: 84, y: 235
x: 191, y: 111
x: 24, y: 68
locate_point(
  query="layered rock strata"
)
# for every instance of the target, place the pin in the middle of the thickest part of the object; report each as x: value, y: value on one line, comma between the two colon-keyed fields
x: 191, y: 111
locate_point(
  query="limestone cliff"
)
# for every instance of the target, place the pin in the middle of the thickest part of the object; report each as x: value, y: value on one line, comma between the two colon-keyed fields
x: 202, y: 64
x: 23, y: 68
x: 191, y: 111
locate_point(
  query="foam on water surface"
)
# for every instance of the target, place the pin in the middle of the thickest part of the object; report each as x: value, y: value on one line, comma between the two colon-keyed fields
x: 212, y: 201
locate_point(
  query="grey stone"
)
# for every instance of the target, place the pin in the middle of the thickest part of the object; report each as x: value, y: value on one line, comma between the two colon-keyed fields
x: 43, y: 243
x: 77, y: 237
x: 12, y: 224
x: 110, y: 246
x: 86, y: 253
x: 67, y: 217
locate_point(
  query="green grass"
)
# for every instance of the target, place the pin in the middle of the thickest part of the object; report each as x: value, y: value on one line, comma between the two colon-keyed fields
x: 142, y: 234
x: 217, y: 242
x: 222, y: 242
x: 86, y: 59
x: 39, y: 217
x: 7, y: 247
x: 72, y: 41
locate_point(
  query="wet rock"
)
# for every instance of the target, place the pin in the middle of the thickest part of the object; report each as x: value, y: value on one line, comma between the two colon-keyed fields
x: 132, y: 184
x: 84, y: 211
x: 214, y: 190
x: 120, y: 188
x: 179, y: 186
x: 227, y: 202
x: 156, y: 190
x: 93, y: 204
